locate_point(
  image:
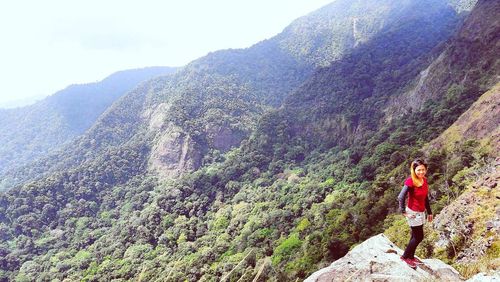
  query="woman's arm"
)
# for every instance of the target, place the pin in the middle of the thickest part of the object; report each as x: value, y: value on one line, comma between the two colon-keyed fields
x: 428, y: 209
x: 402, y: 199
x: 427, y: 205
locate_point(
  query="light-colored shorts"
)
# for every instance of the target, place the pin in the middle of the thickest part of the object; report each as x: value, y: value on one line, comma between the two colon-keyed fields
x: 415, y: 218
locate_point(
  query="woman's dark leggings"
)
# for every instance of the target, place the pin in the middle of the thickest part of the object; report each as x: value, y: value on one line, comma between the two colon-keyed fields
x: 417, y: 235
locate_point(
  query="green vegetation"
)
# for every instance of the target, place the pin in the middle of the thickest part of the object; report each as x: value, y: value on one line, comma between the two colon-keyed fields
x: 309, y: 179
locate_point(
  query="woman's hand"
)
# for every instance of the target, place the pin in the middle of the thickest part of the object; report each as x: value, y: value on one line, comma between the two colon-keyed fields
x: 408, y: 215
x: 429, y: 218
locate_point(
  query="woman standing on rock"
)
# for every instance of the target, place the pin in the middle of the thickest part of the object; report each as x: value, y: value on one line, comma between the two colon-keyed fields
x: 417, y: 189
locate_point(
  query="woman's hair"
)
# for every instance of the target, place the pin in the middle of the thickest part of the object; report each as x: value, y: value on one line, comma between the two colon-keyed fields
x: 413, y: 166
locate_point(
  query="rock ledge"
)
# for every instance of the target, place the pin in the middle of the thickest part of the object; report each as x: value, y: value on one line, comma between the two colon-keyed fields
x: 378, y: 259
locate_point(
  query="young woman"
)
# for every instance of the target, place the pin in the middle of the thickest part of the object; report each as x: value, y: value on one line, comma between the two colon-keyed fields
x: 417, y: 189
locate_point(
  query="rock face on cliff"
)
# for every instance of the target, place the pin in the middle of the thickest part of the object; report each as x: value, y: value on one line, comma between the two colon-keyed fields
x: 175, y: 153
x: 378, y: 259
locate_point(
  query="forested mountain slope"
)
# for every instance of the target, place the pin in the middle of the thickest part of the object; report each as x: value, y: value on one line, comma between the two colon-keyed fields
x: 30, y: 132
x: 314, y: 177
x: 213, y: 103
x: 464, y: 70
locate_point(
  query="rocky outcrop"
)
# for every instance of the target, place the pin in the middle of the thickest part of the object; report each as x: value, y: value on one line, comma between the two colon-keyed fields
x: 223, y: 138
x: 174, y: 154
x: 378, y: 259
x: 481, y: 277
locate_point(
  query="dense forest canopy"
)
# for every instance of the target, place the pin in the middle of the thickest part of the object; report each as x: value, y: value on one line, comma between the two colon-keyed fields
x: 263, y: 163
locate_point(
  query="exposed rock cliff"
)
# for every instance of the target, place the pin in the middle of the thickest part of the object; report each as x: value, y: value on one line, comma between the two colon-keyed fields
x: 378, y: 259
x: 175, y: 153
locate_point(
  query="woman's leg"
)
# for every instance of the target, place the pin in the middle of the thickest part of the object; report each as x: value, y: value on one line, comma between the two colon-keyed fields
x: 417, y: 235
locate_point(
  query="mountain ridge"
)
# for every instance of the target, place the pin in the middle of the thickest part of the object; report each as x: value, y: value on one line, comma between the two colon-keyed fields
x: 273, y: 207
x: 278, y: 73
x: 33, y: 131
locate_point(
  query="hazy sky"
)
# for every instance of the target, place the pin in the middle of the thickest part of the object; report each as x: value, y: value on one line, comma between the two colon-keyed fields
x: 47, y: 45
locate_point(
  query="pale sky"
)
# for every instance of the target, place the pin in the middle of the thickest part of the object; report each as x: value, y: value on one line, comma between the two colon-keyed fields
x: 48, y: 45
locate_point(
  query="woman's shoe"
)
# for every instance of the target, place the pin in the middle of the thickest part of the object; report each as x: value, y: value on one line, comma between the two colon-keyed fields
x: 410, y: 262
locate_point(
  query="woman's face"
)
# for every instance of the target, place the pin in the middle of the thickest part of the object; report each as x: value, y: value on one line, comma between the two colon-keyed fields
x: 420, y: 171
